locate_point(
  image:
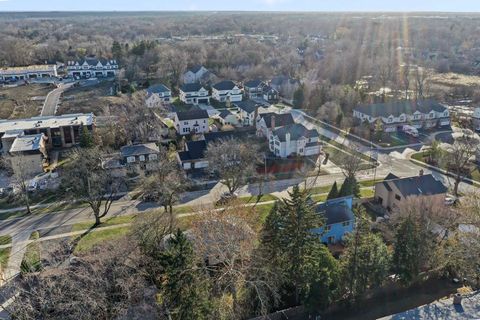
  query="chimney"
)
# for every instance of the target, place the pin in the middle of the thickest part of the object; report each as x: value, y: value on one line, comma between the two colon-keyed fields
x: 272, y: 122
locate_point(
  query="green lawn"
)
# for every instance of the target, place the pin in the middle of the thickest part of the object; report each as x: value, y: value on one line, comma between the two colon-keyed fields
x: 32, y: 260
x: 5, y: 253
x: 253, y: 199
x: 106, y: 222
x: 95, y: 237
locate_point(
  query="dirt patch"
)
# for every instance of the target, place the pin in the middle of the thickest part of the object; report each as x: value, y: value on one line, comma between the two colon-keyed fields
x: 22, y: 101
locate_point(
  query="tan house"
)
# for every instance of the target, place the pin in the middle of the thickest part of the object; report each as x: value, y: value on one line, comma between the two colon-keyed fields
x: 393, y: 190
x: 28, y: 154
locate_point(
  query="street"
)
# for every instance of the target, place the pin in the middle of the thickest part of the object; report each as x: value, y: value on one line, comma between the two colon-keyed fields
x: 53, y: 99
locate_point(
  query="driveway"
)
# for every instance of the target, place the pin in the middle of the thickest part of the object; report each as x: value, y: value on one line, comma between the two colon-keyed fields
x: 53, y: 99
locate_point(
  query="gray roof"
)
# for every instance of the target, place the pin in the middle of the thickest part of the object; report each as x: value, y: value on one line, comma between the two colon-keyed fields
x: 443, y: 310
x: 400, y: 107
x: 281, y: 119
x: 196, y: 68
x: 191, y: 87
x: 27, y: 143
x: 417, y: 186
x: 139, y: 149
x: 248, y: 106
x: 253, y: 83
x: 196, y: 150
x: 296, y: 131
x: 225, y: 85
x: 225, y: 113
x: 158, y: 88
x: 192, y: 115
x: 335, y: 211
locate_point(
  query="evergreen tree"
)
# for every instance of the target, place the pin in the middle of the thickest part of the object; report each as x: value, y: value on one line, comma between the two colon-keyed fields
x: 299, y: 97
x: 349, y: 187
x: 365, y: 261
x: 407, y: 250
x: 183, y: 289
x: 86, y: 138
x: 117, y: 51
x: 333, y: 192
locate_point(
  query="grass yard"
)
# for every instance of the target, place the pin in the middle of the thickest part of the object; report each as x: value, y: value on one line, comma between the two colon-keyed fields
x: 16, y: 103
x: 32, y: 259
x: 95, y: 237
x: 5, y: 253
x: 109, y: 221
x: 89, y: 99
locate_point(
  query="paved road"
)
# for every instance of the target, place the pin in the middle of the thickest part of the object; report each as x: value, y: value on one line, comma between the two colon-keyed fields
x: 53, y: 99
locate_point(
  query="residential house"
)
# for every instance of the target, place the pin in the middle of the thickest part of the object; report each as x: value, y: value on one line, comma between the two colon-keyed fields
x: 339, y: 219
x: 140, y: 156
x: 194, y: 93
x: 194, y: 121
x: 258, y: 89
x: 198, y: 74
x: 393, y: 190
x: 267, y: 122
x: 91, y: 67
x: 28, y: 72
x: 158, y: 95
x: 294, y: 140
x: 225, y: 91
x: 247, y: 111
x: 193, y: 156
x: 285, y: 86
x: 29, y: 154
x: 226, y: 117
x: 421, y: 114
x: 476, y: 119
x: 61, y: 131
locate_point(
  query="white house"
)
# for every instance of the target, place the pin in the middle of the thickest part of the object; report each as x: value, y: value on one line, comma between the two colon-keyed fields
x: 92, y: 67
x: 140, y: 156
x: 225, y: 91
x: 198, y: 74
x: 28, y: 72
x: 194, y: 121
x: 258, y: 89
x: 158, y: 95
x: 267, y: 122
x: 420, y: 114
x: 476, y: 119
x: 194, y: 93
x: 294, y: 139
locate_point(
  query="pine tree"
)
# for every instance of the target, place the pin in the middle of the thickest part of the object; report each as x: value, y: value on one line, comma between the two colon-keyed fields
x: 333, y: 192
x: 407, y: 251
x: 184, y: 290
x: 299, y: 97
x: 365, y: 261
x: 349, y: 187
x: 86, y: 138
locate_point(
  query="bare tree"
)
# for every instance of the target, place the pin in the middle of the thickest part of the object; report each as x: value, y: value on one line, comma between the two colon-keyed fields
x: 457, y: 158
x: 85, y: 179
x: 164, y: 184
x: 421, y: 77
x: 234, y: 161
x: 20, y: 167
x: 350, y: 163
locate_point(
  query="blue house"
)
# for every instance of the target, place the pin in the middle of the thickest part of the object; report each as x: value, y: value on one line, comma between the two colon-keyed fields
x: 339, y: 219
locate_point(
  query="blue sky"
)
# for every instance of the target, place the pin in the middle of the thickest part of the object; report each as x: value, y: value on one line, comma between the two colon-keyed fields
x: 268, y: 5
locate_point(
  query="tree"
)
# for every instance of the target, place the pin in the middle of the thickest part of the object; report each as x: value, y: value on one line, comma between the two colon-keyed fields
x: 85, y: 179
x: 299, y: 97
x: 19, y: 166
x: 234, y: 161
x: 333, y: 192
x: 365, y: 261
x: 350, y: 163
x: 117, y: 51
x: 86, y: 138
x: 349, y: 187
x: 296, y: 252
x: 164, y: 183
x: 457, y: 159
x: 184, y: 289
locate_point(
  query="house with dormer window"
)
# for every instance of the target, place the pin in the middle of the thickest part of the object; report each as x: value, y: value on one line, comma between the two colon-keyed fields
x: 420, y: 114
x: 91, y: 67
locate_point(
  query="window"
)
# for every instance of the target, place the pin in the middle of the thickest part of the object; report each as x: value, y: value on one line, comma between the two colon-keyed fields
x: 152, y: 157
x: 204, y: 121
x: 185, y: 123
x: 130, y: 159
x: 328, y: 228
x: 331, y: 239
x: 141, y: 158
x: 398, y: 197
x: 346, y: 223
x: 301, y: 150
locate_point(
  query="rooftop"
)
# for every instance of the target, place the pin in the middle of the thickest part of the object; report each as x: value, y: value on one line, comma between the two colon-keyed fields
x: 139, y: 149
x: 336, y: 210
x: 253, y: 83
x: 281, y: 119
x: 196, y: 68
x: 400, y: 107
x: 191, y: 87
x: 225, y: 85
x: 195, y: 150
x: 296, y: 131
x: 27, y: 143
x: 416, y: 186
x: 32, y: 68
x: 443, y: 309
x: 249, y: 106
x: 192, y: 115
x: 47, y: 122
x: 157, y: 88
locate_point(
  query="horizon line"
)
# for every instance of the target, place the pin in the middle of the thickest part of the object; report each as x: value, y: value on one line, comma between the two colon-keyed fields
x: 234, y: 11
